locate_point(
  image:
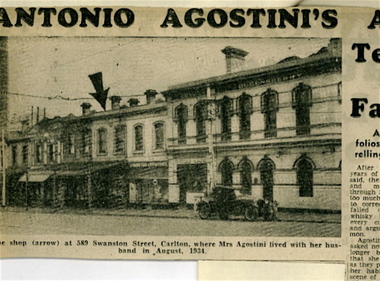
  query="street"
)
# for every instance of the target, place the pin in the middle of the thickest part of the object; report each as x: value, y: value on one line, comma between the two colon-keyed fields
x: 164, y: 222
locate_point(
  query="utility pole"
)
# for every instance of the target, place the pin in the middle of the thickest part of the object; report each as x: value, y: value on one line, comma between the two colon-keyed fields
x: 3, y: 167
x: 26, y: 189
x: 211, y: 112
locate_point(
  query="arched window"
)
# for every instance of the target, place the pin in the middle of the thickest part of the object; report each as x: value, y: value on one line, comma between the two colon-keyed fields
x: 159, y: 135
x: 266, y: 167
x: 269, y: 107
x: 304, y: 168
x: 181, y: 113
x: 139, y: 138
x: 200, y: 112
x: 226, y: 169
x: 302, y: 101
x: 245, y: 111
x: 246, y: 169
x: 102, y: 140
x: 225, y: 117
x: 119, y: 139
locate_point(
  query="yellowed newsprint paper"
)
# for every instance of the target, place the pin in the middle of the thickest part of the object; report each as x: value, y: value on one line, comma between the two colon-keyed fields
x: 191, y: 134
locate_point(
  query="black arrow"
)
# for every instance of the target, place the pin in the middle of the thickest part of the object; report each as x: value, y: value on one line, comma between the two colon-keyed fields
x: 100, y: 95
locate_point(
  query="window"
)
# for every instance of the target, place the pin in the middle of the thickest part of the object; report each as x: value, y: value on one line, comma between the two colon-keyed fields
x: 266, y: 167
x: 226, y: 168
x: 159, y: 135
x: 181, y: 113
x: 50, y: 153
x: 71, y: 144
x: 302, y: 101
x: 246, y: 168
x: 86, y: 142
x: 200, y: 120
x: 225, y: 117
x: 245, y: 111
x: 119, y: 140
x: 14, y: 155
x: 139, y: 138
x: 38, y: 153
x: 102, y: 140
x: 304, y: 168
x: 25, y: 154
x: 269, y: 107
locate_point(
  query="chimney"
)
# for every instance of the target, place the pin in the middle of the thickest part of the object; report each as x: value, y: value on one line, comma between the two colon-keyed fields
x: 115, y: 102
x: 24, y: 125
x: 150, y: 96
x: 335, y: 46
x: 133, y: 102
x: 234, y: 58
x: 86, y: 108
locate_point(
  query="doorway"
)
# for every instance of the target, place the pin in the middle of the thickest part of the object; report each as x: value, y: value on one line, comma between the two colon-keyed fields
x: 191, y: 178
x: 266, y: 167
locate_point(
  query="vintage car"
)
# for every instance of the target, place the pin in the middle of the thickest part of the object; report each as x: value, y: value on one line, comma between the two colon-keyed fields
x: 225, y: 201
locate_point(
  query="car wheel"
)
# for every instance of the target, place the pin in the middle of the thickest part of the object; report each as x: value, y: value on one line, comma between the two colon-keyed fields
x: 204, y: 212
x: 250, y: 213
x: 223, y: 214
x: 267, y: 216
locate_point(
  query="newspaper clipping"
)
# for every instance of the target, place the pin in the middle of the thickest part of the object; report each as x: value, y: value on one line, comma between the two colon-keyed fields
x: 192, y: 134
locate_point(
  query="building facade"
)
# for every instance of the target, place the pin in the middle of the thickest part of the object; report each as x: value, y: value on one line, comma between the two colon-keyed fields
x: 274, y: 131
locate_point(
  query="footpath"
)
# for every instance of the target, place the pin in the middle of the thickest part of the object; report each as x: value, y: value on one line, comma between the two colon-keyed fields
x: 180, y: 213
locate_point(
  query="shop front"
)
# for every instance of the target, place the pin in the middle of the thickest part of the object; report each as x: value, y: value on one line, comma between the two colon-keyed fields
x: 37, y: 188
x: 149, y: 186
x: 192, y: 182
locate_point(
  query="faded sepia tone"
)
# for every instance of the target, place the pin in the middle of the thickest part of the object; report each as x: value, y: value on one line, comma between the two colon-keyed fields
x: 269, y: 133
x: 192, y: 143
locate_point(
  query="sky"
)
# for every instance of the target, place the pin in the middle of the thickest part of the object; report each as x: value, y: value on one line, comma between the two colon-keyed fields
x: 47, y: 67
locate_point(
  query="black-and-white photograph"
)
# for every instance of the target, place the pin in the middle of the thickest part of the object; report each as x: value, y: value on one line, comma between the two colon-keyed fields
x: 171, y: 136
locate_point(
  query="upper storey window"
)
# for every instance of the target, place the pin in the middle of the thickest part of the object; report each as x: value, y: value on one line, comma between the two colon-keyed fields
x: 200, y: 112
x: 159, y: 135
x: 25, y: 154
x: 302, y: 101
x: 269, y: 107
x: 245, y: 111
x: 181, y: 114
x: 86, y: 142
x: 119, y: 139
x: 139, y: 138
x: 102, y: 140
x: 225, y: 117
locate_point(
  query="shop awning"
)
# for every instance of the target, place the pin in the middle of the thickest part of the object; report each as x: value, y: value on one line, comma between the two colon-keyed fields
x: 150, y: 173
x: 85, y: 170
x: 35, y: 177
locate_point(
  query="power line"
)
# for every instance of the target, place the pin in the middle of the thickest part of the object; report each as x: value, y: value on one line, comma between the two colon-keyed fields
x: 59, y: 97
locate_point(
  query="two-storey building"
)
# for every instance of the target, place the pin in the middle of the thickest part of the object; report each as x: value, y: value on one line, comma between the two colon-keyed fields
x: 275, y: 131
x: 109, y: 158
